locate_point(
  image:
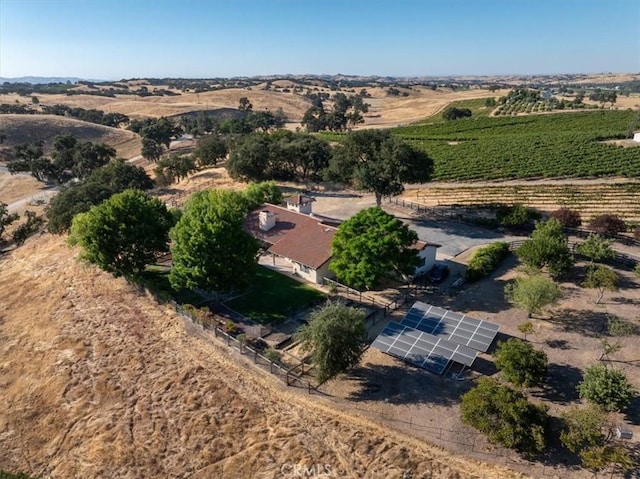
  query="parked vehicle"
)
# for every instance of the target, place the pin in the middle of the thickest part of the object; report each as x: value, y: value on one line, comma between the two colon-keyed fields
x: 438, y: 273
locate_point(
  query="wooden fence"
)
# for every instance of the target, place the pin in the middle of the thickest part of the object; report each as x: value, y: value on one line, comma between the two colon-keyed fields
x: 288, y: 375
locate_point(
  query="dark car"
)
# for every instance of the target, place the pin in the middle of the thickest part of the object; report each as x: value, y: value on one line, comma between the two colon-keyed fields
x: 438, y: 273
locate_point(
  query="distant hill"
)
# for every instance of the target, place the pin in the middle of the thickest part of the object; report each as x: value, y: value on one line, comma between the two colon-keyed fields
x: 43, y: 80
x: 20, y: 129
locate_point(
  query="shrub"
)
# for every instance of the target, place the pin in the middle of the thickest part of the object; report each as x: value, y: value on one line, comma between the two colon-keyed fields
x: 636, y: 233
x: 608, y: 225
x: 272, y: 355
x: 505, y: 416
x: 520, y: 364
x: 567, y: 218
x: 606, y: 387
x: 453, y: 113
x: 516, y: 215
x: 486, y: 259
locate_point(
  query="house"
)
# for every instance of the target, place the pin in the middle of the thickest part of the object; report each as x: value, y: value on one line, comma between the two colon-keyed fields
x: 636, y: 136
x: 302, y: 240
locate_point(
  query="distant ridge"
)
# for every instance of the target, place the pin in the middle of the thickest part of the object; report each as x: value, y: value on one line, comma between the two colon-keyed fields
x: 43, y: 80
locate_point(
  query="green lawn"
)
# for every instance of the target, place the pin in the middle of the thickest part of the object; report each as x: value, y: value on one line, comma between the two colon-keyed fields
x: 273, y: 296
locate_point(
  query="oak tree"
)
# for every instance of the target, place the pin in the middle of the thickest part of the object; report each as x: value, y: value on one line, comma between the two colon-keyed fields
x: 373, y: 245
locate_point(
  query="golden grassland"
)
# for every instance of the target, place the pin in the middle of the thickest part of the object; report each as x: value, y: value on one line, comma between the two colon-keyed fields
x: 98, y: 380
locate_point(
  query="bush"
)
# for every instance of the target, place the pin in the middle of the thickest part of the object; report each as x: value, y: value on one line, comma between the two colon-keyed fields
x: 486, y: 259
x: 516, y: 215
x: 520, y: 364
x: 606, y: 387
x: 567, y: 218
x: 505, y: 416
x: 453, y: 113
x: 608, y: 225
x: 636, y: 233
x: 272, y: 355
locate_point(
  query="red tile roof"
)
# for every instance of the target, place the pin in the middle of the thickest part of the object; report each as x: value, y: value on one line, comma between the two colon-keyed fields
x: 420, y: 245
x: 301, y: 238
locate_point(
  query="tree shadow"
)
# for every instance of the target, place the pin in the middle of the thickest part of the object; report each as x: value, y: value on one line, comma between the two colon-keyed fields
x: 561, y: 384
x: 558, y: 344
x: 556, y: 454
x: 405, y: 384
x: 633, y: 411
x: 623, y: 300
x: 586, y: 322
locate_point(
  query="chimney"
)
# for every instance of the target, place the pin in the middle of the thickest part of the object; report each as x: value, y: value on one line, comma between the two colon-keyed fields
x: 266, y: 220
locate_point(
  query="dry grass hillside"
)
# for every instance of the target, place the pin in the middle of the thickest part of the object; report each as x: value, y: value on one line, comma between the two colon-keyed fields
x: 97, y: 380
x: 20, y: 129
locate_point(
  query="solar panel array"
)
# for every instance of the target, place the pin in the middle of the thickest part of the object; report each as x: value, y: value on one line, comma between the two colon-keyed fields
x: 432, y: 337
x: 456, y: 327
x: 422, y: 349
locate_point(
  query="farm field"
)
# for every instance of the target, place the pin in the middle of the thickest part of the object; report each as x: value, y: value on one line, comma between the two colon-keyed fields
x: 534, y: 146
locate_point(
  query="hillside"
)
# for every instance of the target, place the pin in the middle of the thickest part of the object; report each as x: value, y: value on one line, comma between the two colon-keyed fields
x: 21, y: 129
x: 97, y: 380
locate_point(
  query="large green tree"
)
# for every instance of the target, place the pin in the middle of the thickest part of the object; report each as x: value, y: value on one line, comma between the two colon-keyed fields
x: 520, y: 363
x: 124, y: 233
x: 606, y: 387
x: 377, y: 162
x: 249, y: 160
x: 547, y: 247
x: 373, y: 245
x: 210, y: 150
x: 335, y: 335
x: 210, y: 248
x: 75, y: 198
x: 532, y: 293
x: 505, y: 416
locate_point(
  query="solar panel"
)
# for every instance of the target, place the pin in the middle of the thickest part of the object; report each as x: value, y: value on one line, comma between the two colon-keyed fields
x: 456, y: 327
x: 422, y: 349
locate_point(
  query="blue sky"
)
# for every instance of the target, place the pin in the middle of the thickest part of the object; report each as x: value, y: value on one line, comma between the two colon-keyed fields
x: 114, y: 39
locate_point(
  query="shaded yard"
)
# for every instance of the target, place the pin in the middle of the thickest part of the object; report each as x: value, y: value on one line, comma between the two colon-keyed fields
x: 274, y: 296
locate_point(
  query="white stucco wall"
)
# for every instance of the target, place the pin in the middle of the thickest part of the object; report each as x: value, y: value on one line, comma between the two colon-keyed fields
x: 636, y: 137
x: 428, y: 257
x: 310, y: 274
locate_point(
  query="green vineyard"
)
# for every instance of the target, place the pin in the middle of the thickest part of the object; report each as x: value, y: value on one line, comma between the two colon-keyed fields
x: 534, y: 146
